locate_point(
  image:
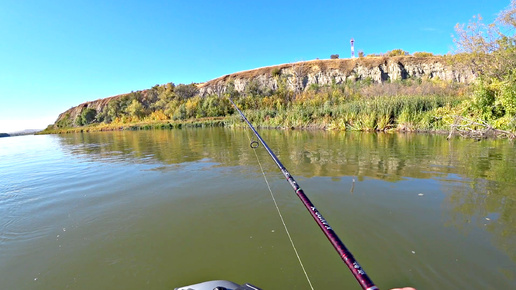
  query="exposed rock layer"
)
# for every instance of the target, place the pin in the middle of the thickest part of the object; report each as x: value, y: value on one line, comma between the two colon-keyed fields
x: 302, y: 75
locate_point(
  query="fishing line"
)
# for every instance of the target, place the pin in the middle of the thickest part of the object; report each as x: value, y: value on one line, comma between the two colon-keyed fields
x: 255, y: 144
x: 346, y: 256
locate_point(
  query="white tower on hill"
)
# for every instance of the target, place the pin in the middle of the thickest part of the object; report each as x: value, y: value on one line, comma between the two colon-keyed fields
x: 352, y: 48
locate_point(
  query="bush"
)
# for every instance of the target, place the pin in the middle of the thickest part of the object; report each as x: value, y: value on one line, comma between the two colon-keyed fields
x: 334, y: 56
x: 397, y: 52
x: 186, y: 91
x: 64, y: 122
x: 275, y: 72
x: 86, y: 117
x: 423, y: 54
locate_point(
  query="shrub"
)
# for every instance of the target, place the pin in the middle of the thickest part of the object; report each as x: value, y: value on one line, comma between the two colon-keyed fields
x: 334, y: 56
x: 186, y: 91
x: 423, y: 54
x: 275, y: 72
x: 64, y: 122
x: 86, y: 117
x: 396, y: 52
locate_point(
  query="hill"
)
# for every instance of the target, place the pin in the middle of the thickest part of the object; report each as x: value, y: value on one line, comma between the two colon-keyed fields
x: 293, y: 77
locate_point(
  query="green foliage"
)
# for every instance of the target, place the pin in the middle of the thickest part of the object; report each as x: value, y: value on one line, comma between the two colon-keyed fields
x: 423, y: 54
x: 483, y: 100
x: 136, y: 109
x: 396, y: 52
x: 179, y: 113
x: 253, y: 88
x: 231, y: 90
x: 276, y: 72
x: 506, y: 95
x: 64, y: 122
x: 491, y: 54
x: 86, y: 117
x: 213, y: 106
x: 186, y: 91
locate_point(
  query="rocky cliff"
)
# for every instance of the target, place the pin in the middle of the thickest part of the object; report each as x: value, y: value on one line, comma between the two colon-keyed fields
x: 72, y: 113
x: 300, y: 76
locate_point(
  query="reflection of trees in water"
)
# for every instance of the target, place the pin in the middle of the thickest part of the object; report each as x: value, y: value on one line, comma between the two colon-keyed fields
x: 490, y: 205
x: 308, y: 153
x: 168, y: 147
x: 486, y: 169
x: 488, y: 197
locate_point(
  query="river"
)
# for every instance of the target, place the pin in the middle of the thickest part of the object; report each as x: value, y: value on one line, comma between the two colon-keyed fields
x: 163, y: 209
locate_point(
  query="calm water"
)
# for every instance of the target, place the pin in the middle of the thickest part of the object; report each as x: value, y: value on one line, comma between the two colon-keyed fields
x: 163, y: 209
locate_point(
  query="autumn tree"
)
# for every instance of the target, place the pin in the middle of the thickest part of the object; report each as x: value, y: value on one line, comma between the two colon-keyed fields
x: 136, y: 109
x: 186, y: 91
x: 489, y: 50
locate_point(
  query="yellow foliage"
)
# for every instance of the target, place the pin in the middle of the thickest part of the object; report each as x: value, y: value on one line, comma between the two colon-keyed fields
x: 157, y: 116
x: 191, y: 106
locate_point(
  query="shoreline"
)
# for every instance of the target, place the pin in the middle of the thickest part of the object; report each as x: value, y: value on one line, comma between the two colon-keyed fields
x: 228, y: 122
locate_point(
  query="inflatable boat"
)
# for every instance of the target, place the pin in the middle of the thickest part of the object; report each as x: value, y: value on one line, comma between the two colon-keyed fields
x: 219, y: 285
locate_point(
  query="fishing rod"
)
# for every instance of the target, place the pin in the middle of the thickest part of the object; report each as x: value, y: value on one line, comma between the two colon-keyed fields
x: 355, y: 268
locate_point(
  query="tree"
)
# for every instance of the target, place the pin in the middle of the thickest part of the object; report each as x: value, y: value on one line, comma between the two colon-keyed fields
x: 485, y: 48
x: 166, y: 95
x: 489, y: 50
x: 113, y: 110
x: 253, y: 88
x: 136, y: 109
x: 186, y: 91
x: 86, y: 117
x: 231, y: 91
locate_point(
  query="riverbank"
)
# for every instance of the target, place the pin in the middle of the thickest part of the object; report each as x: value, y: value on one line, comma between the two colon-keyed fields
x: 409, y: 106
x: 424, y: 113
x: 144, y: 125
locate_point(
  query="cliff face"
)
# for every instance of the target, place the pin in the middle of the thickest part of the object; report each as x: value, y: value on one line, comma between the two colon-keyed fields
x: 72, y: 113
x: 300, y: 76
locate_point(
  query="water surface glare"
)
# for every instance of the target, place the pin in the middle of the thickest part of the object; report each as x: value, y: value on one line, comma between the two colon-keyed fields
x: 163, y: 209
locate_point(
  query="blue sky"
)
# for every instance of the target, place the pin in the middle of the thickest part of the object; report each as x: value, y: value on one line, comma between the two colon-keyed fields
x: 57, y: 54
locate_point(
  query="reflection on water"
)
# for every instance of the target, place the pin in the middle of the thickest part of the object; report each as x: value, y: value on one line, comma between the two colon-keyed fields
x: 438, y: 206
